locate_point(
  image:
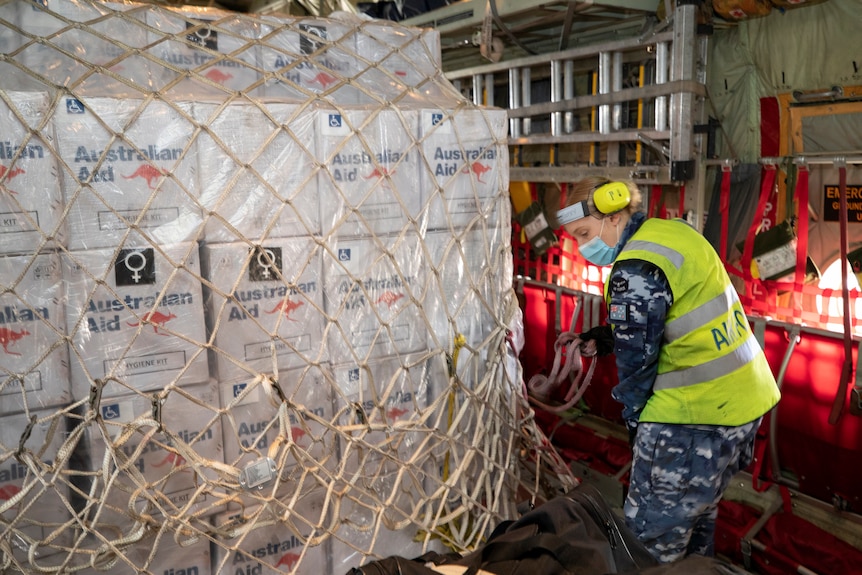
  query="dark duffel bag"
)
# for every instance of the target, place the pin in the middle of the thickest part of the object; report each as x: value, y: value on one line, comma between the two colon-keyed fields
x: 574, y: 534
x: 692, y: 565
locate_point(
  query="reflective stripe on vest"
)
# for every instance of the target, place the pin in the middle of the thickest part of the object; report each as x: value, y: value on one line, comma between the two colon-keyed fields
x: 701, y: 315
x: 710, y: 370
x: 676, y: 258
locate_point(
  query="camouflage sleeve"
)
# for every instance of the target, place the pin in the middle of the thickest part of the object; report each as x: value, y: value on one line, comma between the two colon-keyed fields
x: 640, y: 297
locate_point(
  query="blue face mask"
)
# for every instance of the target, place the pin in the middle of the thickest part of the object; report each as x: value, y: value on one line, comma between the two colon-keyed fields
x: 596, y: 251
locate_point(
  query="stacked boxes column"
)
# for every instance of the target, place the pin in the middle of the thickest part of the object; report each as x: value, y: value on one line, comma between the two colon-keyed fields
x: 31, y: 199
x: 258, y: 171
x: 265, y: 306
x: 464, y: 168
x: 136, y: 318
x: 129, y: 170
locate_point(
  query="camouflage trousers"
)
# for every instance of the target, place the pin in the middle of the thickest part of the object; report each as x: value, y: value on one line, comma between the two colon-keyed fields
x: 679, y: 473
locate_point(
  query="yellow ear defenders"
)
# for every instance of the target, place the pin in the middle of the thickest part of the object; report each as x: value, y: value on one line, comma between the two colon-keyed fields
x: 611, y: 197
x: 608, y: 199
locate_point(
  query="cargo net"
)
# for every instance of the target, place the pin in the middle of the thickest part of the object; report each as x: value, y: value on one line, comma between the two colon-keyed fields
x: 256, y: 311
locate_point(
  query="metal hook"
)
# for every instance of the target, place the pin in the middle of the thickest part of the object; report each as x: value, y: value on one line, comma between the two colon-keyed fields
x: 96, y: 394
x: 24, y: 437
x: 157, y: 411
x: 277, y: 388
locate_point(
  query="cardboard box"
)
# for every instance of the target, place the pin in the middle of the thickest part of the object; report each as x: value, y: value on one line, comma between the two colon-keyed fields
x: 252, y: 427
x: 31, y: 197
x: 161, y: 555
x: 9, y: 39
x: 144, y: 327
x: 265, y: 307
x: 360, y: 522
x: 218, y: 46
x: 257, y: 171
x: 379, y: 394
x: 401, y: 64
x: 473, y: 275
x: 373, y: 292
x: 368, y: 181
x: 34, y: 369
x: 147, y: 177
x: 44, y: 19
x: 310, y: 58
x: 157, y: 469
x: 41, y: 507
x: 274, y: 539
x: 465, y: 176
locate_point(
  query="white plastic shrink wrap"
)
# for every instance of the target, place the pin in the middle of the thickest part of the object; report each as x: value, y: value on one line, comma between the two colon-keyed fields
x: 136, y: 318
x: 34, y: 359
x: 130, y: 171
x: 238, y: 255
x: 31, y: 199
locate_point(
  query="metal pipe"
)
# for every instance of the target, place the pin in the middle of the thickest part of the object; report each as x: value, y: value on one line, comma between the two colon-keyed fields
x: 661, y: 78
x: 835, y: 92
x: 526, y: 98
x: 556, y: 95
x: 616, y: 86
x: 477, y: 90
x: 605, y: 88
x: 683, y: 63
x: 661, y: 150
x: 814, y: 159
x: 568, y: 94
x: 514, y: 101
x: 489, y: 89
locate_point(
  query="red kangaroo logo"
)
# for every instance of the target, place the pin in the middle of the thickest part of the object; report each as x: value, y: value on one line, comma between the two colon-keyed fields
x: 147, y: 172
x: 7, y: 492
x: 297, y: 433
x: 286, y: 307
x: 478, y: 169
x: 379, y: 173
x: 8, y: 337
x: 218, y: 76
x: 155, y: 318
x: 389, y: 298
x: 4, y: 171
x: 324, y: 79
x: 395, y: 412
x: 174, y: 459
x: 288, y: 560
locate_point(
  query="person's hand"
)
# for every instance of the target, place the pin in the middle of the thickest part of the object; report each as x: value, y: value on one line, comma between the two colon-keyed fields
x: 603, y: 338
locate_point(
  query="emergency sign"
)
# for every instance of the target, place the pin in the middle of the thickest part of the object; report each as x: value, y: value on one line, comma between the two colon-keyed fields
x: 832, y: 203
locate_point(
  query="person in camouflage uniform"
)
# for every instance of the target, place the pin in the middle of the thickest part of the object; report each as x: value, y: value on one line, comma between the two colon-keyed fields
x: 693, y: 380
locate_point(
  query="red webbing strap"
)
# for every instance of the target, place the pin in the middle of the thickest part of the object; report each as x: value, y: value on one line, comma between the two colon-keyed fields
x: 801, y: 194
x: 654, y: 199
x: 755, y: 285
x: 786, y: 499
x: 724, y: 210
x: 760, y: 446
x: 847, y: 368
x: 682, y: 201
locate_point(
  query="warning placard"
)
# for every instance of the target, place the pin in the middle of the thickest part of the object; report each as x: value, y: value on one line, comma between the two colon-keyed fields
x: 832, y: 203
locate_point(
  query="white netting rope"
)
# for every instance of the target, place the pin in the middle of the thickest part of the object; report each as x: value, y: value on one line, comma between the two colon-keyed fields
x: 256, y: 302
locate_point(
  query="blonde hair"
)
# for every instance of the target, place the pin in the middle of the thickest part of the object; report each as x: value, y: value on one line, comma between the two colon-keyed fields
x: 583, y: 190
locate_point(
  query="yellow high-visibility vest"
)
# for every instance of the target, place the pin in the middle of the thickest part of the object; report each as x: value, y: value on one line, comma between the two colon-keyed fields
x: 711, y: 369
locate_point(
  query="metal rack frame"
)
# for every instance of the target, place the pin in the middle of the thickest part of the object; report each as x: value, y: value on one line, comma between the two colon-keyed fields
x: 668, y: 138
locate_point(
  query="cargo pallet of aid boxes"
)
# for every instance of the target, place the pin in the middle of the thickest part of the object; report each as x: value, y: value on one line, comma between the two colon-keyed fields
x: 235, y: 253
